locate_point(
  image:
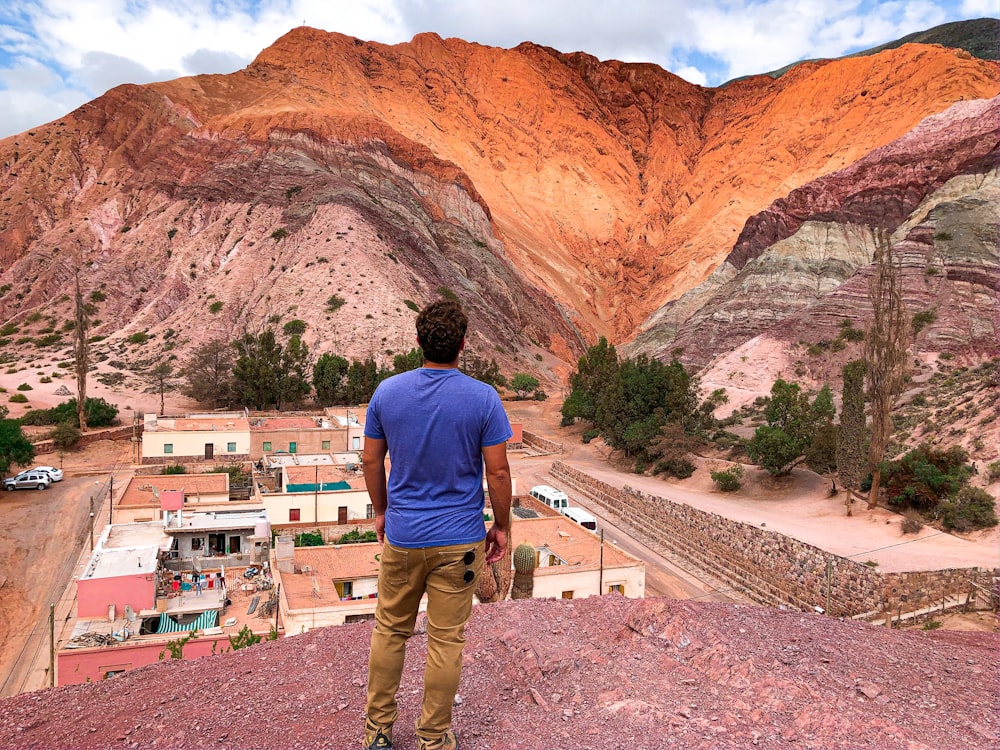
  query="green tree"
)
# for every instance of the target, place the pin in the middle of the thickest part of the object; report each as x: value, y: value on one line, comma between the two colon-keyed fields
x: 65, y: 435
x: 160, y: 376
x: 257, y: 371
x: 15, y: 448
x: 99, y: 413
x: 329, y: 379
x: 851, y: 454
x: 293, y: 383
x: 524, y: 384
x: 362, y: 379
x: 792, y: 423
x: 925, y: 476
x: 208, y: 374
x: 412, y: 360
x: 596, y: 371
x: 485, y: 371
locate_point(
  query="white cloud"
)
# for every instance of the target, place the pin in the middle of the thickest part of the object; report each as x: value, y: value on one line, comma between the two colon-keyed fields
x: 979, y: 8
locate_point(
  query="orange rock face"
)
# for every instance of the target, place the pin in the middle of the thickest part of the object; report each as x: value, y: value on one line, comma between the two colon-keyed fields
x: 613, y: 187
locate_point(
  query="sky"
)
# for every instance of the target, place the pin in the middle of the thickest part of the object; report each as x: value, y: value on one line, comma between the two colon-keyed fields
x: 58, y: 54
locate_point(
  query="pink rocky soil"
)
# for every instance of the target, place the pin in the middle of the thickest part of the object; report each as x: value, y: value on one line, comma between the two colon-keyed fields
x: 602, y: 673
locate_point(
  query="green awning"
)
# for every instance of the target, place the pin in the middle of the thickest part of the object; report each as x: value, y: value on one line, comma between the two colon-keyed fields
x: 323, y: 487
x: 205, y: 620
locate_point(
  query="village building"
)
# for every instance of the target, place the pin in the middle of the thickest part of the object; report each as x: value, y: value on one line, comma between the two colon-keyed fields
x: 137, y: 603
x: 141, y: 499
x: 197, y: 438
x: 330, y: 432
x: 336, y: 584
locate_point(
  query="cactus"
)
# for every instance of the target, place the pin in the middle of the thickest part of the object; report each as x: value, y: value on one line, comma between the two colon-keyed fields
x: 524, y: 575
x: 494, y: 581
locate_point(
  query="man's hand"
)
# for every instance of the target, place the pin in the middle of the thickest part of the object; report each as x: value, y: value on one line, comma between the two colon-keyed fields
x: 496, y: 544
x: 380, y: 528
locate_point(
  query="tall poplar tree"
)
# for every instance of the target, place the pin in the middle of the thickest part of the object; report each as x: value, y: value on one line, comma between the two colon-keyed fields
x: 851, y: 458
x: 886, y: 343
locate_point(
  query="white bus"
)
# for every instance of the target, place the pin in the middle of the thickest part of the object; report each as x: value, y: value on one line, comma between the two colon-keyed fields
x: 550, y: 496
x: 581, y: 516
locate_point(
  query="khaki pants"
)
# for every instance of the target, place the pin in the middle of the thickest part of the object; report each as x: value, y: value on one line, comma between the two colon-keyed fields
x: 404, y: 576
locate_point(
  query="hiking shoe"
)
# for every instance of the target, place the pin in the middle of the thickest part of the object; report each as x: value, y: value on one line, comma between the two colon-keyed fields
x: 376, y: 737
x: 447, y: 741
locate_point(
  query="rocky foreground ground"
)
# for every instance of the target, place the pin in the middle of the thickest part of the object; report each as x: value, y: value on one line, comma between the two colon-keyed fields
x: 595, y: 674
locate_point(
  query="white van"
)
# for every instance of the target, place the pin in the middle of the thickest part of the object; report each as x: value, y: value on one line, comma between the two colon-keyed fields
x: 581, y: 516
x: 552, y: 497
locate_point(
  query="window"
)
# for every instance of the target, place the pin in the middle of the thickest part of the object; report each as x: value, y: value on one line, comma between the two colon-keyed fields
x: 168, y: 447
x: 197, y: 542
x: 326, y: 445
x: 231, y: 447
x: 369, y: 511
x: 617, y: 588
x: 267, y: 445
x: 567, y: 594
x: 292, y: 447
x: 356, y: 443
x: 294, y: 514
x: 345, y: 589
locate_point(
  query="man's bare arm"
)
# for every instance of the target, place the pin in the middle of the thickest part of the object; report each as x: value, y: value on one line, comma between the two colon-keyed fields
x: 373, y: 464
x: 498, y: 482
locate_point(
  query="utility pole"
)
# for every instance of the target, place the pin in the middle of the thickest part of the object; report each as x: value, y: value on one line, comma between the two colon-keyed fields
x: 600, y: 580
x: 111, y: 499
x: 91, y: 523
x: 52, y: 644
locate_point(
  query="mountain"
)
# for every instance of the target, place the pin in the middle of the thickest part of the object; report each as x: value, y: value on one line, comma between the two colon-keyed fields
x: 560, y: 197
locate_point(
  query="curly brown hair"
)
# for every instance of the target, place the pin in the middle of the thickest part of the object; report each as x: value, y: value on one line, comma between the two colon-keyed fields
x: 441, y: 328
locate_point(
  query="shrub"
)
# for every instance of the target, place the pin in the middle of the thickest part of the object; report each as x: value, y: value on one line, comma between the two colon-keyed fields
x: 294, y: 327
x: 911, y: 524
x: 674, y: 467
x: 590, y: 435
x: 139, y: 337
x: 412, y: 305
x: 309, y: 539
x: 175, y: 469
x: 18, y: 398
x: 728, y: 480
x: 355, y: 536
x: 24, y: 387
x: 279, y: 234
x: 243, y: 639
x: 993, y: 471
x: 65, y: 435
x: 972, y: 508
x: 922, y: 319
x: 334, y: 303
x: 216, y: 306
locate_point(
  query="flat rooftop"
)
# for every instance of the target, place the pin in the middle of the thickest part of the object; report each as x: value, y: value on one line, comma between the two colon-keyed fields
x: 127, y: 549
x: 259, y: 424
x: 139, y: 492
x: 197, y: 424
x: 343, y: 562
x: 567, y: 539
x: 218, y: 521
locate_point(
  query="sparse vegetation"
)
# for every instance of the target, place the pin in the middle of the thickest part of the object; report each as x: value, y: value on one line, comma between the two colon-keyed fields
x: 279, y: 234
x: 728, y: 480
x: 139, y: 337
x: 334, y: 302
x: 216, y: 306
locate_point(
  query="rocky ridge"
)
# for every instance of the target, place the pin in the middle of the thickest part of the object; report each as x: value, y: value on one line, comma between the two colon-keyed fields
x: 591, y: 674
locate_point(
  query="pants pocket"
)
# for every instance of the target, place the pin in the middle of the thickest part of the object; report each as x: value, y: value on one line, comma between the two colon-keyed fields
x: 394, y: 568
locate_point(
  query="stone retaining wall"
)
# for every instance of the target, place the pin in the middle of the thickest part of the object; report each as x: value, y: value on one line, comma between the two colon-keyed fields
x: 768, y: 567
x: 539, y: 443
x: 112, y: 433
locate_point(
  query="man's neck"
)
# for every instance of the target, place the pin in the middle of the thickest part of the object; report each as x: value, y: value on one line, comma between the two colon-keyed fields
x: 438, y: 366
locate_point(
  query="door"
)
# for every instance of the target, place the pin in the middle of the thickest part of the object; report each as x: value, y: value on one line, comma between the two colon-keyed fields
x: 342, y: 514
x: 209, y: 451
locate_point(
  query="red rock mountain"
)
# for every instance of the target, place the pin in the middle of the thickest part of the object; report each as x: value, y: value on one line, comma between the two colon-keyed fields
x: 559, y: 196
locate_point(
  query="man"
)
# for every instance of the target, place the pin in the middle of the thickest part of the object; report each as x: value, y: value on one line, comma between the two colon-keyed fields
x: 439, y: 427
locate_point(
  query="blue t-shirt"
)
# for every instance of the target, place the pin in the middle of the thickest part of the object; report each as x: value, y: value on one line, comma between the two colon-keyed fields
x: 436, y: 423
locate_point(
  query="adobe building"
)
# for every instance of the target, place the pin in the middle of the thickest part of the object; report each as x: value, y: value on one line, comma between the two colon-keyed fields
x: 140, y: 502
x: 133, y: 609
x: 198, y: 438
